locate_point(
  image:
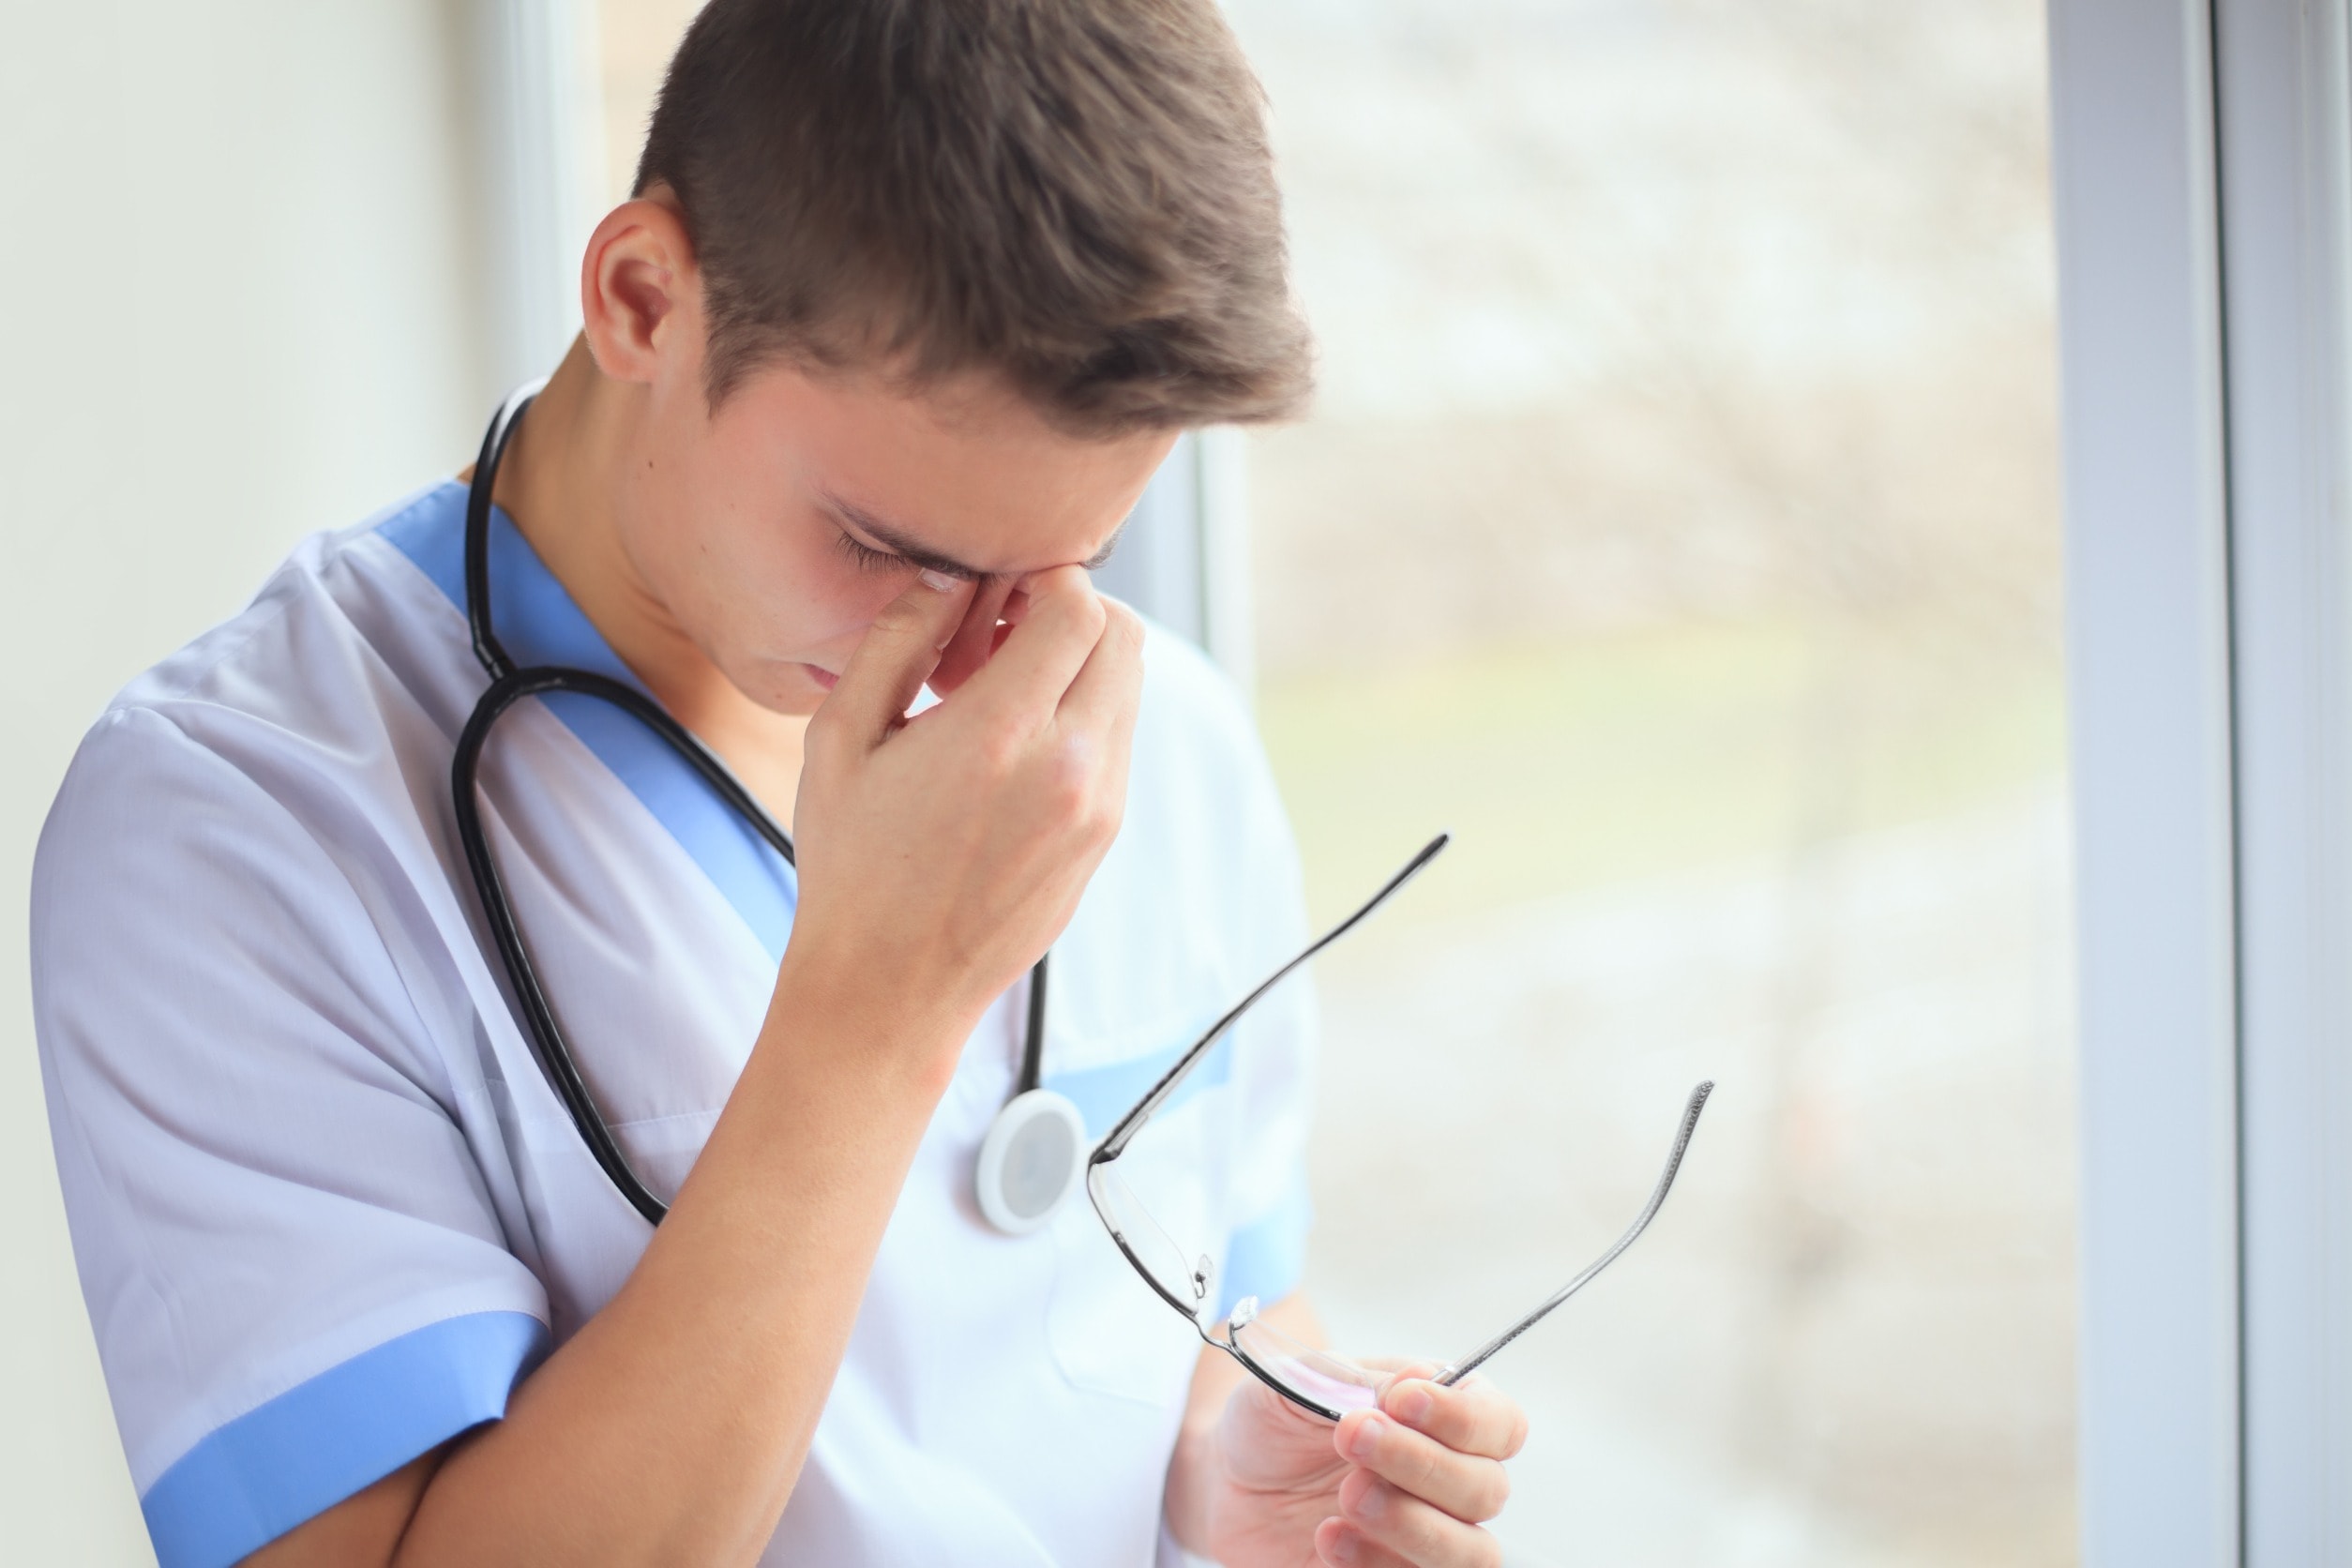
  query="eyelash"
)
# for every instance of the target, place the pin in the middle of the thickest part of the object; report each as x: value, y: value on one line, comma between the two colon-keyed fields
x: 868, y: 558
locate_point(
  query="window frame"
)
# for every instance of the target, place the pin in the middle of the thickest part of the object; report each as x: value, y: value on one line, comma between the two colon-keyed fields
x: 2200, y: 158
x: 1183, y: 557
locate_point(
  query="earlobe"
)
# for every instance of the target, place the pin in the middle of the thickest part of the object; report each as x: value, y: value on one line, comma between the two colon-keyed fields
x: 636, y: 288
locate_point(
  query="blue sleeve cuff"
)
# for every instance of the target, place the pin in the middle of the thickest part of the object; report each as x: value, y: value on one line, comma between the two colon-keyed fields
x: 291, y: 1460
x: 1266, y: 1257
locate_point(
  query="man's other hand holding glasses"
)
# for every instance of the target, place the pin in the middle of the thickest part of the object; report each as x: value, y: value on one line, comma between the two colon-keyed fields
x: 1374, y: 1463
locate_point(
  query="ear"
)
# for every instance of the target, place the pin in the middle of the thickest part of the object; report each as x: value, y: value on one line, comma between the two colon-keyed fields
x: 640, y: 294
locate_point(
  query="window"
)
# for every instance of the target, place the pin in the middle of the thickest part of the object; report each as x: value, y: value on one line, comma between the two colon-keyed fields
x: 1678, y: 524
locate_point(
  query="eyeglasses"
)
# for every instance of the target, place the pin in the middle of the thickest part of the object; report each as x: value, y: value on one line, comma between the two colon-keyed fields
x: 1315, y: 1381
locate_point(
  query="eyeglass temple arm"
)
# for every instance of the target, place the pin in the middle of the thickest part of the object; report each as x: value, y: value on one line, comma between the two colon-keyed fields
x: 1116, y: 1144
x: 1471, y: 1362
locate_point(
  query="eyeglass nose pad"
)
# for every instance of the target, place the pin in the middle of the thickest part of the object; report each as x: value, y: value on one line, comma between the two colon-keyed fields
x: 1202, y: 1272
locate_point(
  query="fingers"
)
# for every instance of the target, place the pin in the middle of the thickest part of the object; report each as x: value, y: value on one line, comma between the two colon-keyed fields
x: 1336, y: 1541
x: 1428, y: 1471
x: 1378, y: 1525
x: 1062, y: 621
x: 897, y: 656
x: 1104, y: 695
x: 1470, y: 1487
x: 975, y: 637
x: 1471, y: 1417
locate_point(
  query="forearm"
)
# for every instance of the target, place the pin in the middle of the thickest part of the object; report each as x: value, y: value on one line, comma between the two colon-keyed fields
x: 673, y: 1426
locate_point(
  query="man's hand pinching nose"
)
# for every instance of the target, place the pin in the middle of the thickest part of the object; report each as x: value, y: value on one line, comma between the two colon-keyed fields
x: 949, y: 850
x: 978, y: 635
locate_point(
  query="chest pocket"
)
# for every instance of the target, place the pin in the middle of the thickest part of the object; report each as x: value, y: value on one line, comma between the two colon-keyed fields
x: 1110, y: 1332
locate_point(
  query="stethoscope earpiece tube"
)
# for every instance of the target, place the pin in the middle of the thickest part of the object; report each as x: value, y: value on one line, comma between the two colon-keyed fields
x: 479, y: 497
x: 1022, y: 1177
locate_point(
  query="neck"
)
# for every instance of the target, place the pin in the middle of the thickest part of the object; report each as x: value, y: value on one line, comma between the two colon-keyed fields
x: 558, y: 482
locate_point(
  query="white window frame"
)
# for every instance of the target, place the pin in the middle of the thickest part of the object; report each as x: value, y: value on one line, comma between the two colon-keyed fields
x: 2200, y: 154
x: 539, y: 171
x: 1183, y: 555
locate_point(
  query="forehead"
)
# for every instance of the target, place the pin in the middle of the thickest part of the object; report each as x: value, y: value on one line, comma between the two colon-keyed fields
x: 963, y: 469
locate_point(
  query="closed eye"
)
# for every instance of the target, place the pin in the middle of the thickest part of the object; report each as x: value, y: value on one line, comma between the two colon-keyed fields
x: 865, y: 558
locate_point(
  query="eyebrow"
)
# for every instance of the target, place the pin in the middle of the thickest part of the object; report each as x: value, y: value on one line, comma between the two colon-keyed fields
x: 898, y: 542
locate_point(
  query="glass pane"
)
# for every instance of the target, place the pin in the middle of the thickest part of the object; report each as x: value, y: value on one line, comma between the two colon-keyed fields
x: 637, y: 38
x: 1678, y: 522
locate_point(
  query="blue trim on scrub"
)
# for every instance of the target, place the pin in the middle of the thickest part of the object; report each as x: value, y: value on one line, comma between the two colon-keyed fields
x: 271, y: 1469
x: 1266, y: 1257
x: 539, y: 624
x: 1104, y: 1095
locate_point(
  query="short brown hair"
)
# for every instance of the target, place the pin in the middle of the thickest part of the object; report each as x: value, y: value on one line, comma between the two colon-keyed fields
x: 1077, y: 194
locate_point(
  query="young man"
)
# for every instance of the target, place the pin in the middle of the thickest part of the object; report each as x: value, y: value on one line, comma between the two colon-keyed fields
x: 911, y: 299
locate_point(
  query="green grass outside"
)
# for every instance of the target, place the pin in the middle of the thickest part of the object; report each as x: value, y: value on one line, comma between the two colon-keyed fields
x: 1609, y: 758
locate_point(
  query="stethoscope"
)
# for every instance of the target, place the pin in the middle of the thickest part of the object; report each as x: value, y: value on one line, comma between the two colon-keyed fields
x: 1031, y: 1159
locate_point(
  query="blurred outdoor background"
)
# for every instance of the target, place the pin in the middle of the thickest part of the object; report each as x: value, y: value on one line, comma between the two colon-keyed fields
x: 1678, y: 524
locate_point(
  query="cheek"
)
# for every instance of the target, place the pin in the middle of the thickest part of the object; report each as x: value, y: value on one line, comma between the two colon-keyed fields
x: 841, y: 598
x: 802, y: 597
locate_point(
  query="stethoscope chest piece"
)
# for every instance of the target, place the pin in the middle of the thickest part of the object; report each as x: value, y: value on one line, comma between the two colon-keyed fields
x: 1031, y: 1160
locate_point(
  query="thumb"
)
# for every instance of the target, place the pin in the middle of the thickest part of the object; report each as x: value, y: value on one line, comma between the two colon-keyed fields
x: 899, y: 651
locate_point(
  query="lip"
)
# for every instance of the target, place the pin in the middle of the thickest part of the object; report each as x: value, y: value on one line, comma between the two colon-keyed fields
x: 823, y: 676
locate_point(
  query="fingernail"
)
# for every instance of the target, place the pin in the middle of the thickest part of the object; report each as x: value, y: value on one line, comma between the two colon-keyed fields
x: 1367, y: 1442
x: 1346, y: 1546
x: 1369, y: 1502
x: 1413, y: 1404
x: 938, y: 582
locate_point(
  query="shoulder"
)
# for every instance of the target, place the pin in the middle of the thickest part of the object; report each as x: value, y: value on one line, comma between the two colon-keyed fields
x: 268, y: 765
x: 347, y: 657
x: 332, y: 586
x: 1196, y: 749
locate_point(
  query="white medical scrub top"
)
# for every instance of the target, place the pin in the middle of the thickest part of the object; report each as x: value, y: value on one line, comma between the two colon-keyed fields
x: 326, y: 1210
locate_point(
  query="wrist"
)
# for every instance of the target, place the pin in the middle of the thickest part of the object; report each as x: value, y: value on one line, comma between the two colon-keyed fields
x: 1193, y: 1470
x: 864, y: 1017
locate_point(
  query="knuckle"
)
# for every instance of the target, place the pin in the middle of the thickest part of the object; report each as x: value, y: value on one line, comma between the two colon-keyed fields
x: 1515, y: 1435
x: 1120, y: 630
x: 1491, y: 1493
x: 1072, y: 786
x: 998, y: 753
x: 1066, y: 792
x: 900, y: 615
x: 825, y: 732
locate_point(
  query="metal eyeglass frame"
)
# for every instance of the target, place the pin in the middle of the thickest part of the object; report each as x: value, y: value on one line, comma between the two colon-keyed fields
x: 1106, y: 1155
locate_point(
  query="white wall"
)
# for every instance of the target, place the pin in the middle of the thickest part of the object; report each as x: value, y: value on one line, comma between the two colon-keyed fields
x: 239, y: 293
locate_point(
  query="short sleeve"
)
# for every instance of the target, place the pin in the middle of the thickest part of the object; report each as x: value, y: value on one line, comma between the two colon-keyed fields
x: 297, y: 1277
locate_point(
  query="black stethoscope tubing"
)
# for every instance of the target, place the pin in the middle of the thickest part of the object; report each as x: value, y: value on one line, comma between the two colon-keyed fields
x: 509, y: 684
